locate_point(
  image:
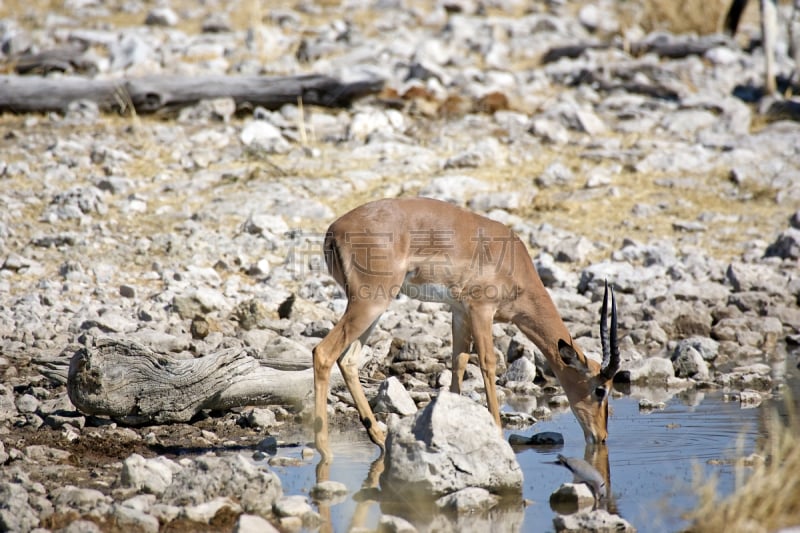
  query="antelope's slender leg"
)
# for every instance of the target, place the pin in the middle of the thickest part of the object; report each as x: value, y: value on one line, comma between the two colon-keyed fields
x: 769, y: 34
x: 794, y: 41
x: 460, y: 361
x: 481, y: 318
x: 462, y: 339
x: 356, y: 321
x: 348, y: 364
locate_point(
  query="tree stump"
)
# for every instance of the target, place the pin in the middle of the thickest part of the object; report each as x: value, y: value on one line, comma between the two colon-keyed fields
x: 131, y: 383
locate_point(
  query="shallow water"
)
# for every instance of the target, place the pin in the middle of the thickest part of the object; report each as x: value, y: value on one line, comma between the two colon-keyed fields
x: 652, y: 461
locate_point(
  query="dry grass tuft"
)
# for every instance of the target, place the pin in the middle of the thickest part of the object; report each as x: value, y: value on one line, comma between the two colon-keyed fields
x: 691, y: 16
x: 769, y: 499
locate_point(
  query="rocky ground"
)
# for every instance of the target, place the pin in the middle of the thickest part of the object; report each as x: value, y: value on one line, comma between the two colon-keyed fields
x: 187, y: 232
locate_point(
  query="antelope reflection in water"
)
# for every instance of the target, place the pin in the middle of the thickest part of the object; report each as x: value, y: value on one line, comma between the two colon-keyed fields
x: 510, y: 514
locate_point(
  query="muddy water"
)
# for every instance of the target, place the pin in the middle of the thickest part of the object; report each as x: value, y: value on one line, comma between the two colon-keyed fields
x: 652, y: 459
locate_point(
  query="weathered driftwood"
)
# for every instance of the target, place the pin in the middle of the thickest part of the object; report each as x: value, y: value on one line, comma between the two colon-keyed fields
x: 69, y: 58
x: 22, y: 94
x: 664, y: 46
x: 129, y: 382
x: 679, y: 47
x: 571, y: 51
x: 601, y: 81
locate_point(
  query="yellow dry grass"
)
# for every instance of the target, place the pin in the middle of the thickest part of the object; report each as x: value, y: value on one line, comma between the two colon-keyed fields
x: 769, y: 499
x: 691, y: 16
x: 697, y: 16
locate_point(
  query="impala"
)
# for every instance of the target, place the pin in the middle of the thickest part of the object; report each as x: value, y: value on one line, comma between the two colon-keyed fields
x: 769, y: 37
x: 435, y: 251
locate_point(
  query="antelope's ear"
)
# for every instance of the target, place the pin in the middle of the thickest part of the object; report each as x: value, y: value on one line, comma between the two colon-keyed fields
x: 569, y: 355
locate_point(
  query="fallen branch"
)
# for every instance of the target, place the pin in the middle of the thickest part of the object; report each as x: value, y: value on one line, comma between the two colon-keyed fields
x: 663, y: 45
x: 571, y: 51
x: 25, y: 94
x: 599, y: 80
x: 673, y: 47
x: 127, y: 381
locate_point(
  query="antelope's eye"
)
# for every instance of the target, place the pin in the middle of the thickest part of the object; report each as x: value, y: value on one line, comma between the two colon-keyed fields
x: 600, y: 392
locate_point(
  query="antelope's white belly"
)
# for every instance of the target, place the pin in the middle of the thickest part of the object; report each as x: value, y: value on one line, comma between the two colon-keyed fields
x: 429, y: 292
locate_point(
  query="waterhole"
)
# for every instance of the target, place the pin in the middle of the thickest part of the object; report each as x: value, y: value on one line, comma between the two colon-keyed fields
x: 653, y: 458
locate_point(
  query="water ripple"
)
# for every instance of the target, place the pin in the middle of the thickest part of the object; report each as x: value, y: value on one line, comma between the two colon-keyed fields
x: 653, y: 458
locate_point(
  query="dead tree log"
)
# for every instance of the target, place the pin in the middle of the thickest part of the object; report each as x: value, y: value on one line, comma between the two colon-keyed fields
x: 67, y: 58
x: 571, y: 51
x: 678, y: 47
x: 24, y: 94
x: 131, y: 383
x: 671, y: 47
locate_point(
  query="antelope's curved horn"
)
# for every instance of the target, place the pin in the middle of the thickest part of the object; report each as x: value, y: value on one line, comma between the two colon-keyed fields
x: 608, y: 340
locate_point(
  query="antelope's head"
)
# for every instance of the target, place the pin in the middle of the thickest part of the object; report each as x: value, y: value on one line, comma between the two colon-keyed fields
x: 587, y: 383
